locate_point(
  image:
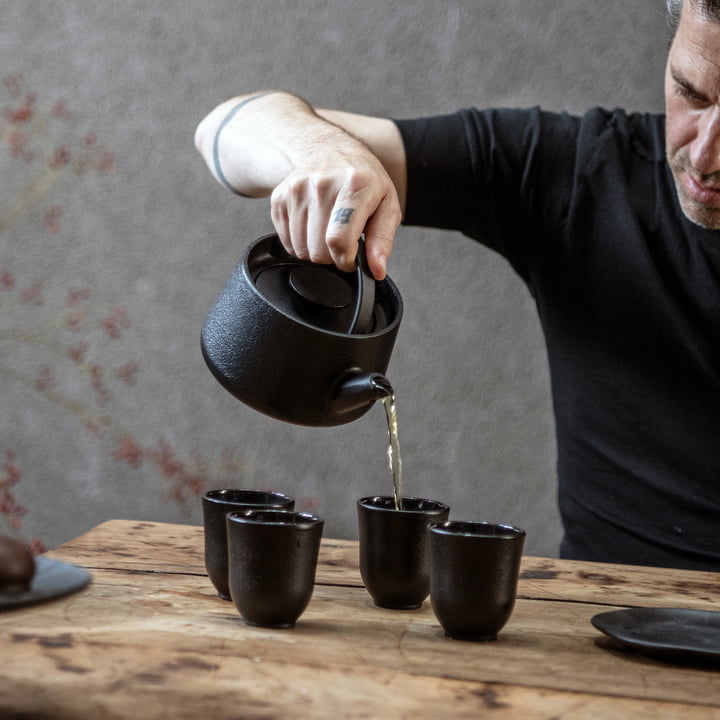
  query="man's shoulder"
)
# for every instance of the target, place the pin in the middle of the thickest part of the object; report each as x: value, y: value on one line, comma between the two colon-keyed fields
x: 640, y: 133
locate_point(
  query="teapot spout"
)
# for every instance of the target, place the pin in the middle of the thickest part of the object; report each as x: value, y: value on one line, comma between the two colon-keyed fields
x: 359, y: 389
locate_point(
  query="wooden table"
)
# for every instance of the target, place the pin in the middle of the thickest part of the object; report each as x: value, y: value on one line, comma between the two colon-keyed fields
x: 150, y: 639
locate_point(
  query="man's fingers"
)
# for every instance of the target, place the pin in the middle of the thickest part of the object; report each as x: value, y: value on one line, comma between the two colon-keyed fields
x: 279, y: 216
x: 345, y: 225
x: 320, y: 219
x: 380, y: 235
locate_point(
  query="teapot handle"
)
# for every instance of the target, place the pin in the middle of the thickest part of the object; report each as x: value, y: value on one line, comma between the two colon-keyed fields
x: 362, y: 321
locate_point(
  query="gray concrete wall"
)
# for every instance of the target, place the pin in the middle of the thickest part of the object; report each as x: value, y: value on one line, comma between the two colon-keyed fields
x: 111, y: 254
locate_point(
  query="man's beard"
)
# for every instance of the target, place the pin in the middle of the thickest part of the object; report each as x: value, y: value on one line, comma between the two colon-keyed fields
x: 706, y: 216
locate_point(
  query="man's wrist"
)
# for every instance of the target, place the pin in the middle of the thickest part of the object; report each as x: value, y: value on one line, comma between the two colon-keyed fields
x: 216, y: 140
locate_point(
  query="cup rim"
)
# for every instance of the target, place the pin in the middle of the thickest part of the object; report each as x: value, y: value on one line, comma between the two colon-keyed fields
x: 477, y: 529
x: 253, y: 497
x: 273, y: 517
x: 434, y: 506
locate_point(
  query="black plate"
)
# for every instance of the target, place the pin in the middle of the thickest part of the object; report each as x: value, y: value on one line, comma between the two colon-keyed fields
x: 666, y: 633
x: 52, y: 579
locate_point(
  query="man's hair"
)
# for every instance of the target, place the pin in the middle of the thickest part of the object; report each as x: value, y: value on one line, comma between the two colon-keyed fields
x: 709, y: 8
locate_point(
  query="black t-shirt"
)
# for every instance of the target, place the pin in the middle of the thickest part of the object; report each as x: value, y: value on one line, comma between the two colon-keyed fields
x: 628, y: 294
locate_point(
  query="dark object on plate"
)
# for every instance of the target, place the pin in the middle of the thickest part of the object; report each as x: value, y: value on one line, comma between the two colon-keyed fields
x: 665, y: 633
x: 52, y: 579
x: 17, y: 566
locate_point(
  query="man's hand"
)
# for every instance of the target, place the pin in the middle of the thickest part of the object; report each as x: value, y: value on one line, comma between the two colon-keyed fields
x: 322, y: 207
x: 329, y: 174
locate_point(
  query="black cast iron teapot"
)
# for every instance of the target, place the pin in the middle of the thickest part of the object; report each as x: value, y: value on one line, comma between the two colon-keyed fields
x: 304, y: 343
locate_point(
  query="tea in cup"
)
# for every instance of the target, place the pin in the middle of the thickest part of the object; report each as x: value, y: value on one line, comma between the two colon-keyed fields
x: 394, y: 548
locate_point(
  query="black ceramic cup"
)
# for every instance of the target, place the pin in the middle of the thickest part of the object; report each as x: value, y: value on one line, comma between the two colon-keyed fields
x: 272, y: 557
x: 474, y: 569
x: 216, y: 504
x: 394, y: 549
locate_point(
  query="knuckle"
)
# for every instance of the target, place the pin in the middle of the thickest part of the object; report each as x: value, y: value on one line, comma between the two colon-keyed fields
x: 357, y: 180
x: 297, y: 190
x: 322, y: 185
x: 292, y: 190
x: 318, y: 255
x: 277, y: 198
x: 340, y: 250
x: 276, y: 208
x: 392, y: 211
x: 335, y: 242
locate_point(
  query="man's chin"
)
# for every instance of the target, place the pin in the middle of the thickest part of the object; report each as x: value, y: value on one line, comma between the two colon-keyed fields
x: 700, y: 215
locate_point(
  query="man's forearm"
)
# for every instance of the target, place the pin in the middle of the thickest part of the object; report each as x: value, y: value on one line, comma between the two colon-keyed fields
x: 251, y: 143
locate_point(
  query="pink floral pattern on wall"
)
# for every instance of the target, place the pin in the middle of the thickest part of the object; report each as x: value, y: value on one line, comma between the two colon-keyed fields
x: 68, y: 331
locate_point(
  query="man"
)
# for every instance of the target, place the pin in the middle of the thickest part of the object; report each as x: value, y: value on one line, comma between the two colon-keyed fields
x: 611, y: 219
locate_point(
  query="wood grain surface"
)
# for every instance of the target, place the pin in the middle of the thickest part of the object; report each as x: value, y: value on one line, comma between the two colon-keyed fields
x: 149, y: 638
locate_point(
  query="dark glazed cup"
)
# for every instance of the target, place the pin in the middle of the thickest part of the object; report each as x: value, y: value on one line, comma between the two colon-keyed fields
x: 474, y: 569
x: 272, y: 557
x: 394, y: 549
x: 216, y: 504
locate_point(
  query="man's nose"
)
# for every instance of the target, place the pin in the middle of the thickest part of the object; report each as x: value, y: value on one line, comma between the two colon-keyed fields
x: 705, y: 150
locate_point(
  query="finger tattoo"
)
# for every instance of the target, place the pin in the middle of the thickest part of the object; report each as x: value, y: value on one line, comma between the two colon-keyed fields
x: 342, y: 215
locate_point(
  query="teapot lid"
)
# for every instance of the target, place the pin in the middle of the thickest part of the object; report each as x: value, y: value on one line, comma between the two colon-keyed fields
x: 319, y: 295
